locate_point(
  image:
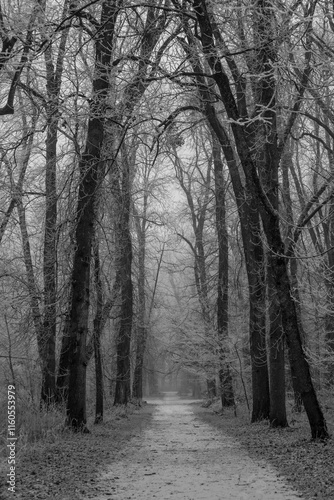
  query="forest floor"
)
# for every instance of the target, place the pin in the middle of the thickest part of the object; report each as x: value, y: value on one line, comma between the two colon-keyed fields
x: 176, y: 449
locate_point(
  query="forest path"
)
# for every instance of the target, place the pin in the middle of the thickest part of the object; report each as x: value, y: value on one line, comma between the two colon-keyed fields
x: 183, y: 458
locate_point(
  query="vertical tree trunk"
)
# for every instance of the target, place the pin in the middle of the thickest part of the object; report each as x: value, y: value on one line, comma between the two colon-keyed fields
x: 97, y: 333
x: 277, y: 416
x: 154, y: 26
x: 53, y: 84
x: 257, y: 295
x: 90, y: 166
x: 137, y: 390
x: 286, y: 166
x: 63, y: 364
x: 225, y: 377
x: 124, y: 267
x: 49, y: 267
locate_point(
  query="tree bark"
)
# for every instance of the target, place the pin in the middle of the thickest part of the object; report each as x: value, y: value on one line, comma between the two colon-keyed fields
x: 225, y: 377
x: 277, y: 415
x: 97, y: 334
x: 90, y: 166
x: 124, y: 268
x: 137, y: 390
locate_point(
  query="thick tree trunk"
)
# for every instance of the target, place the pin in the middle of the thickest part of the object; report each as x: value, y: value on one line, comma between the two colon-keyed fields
x: 97, y: 334
x: 98, y: 379
x: 90, y: 174
x: 277, y: 416
x: 257, y: 295
x: 79, y: 314
x: 299, y: 367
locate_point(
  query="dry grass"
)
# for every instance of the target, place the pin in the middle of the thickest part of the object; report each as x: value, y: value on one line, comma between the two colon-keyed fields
x: 58, y: 464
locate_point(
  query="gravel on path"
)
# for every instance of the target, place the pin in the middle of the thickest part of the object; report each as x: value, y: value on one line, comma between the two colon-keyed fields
x: 181, y: 457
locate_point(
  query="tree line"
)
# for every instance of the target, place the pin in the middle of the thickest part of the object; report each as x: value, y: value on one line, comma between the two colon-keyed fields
x: 109, y: 108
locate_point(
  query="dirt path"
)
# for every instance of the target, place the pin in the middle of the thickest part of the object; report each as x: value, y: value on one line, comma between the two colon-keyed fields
x: 183, y: 458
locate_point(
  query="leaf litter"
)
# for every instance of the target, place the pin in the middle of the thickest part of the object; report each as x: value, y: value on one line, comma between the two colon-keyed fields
x: 69, y: 467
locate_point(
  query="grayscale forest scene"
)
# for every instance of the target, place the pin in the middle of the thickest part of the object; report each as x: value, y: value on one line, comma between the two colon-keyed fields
x: 167, y: 249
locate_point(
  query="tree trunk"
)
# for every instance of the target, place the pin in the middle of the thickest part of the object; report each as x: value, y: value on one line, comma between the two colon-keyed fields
x: 97, y: 334
x: 53, y: 85
x: 137, y: 390
x: 98, y: 380
x: 63, y: 364
x: 154, y: 26
x: 251, y: 238
x: 286, y: 166
x: 270, y: 219
x: 258, y: 348
x: 124, y: 267
x: 225, y: 377
x: 49, y: 268
x: 90, y: 175
x: 254, y: 258
x: 277, y: 416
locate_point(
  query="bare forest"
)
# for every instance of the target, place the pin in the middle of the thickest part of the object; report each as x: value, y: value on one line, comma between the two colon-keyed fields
x: 166, y: 209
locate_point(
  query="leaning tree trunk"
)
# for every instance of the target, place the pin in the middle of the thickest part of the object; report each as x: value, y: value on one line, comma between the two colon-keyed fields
x: 255, y: 267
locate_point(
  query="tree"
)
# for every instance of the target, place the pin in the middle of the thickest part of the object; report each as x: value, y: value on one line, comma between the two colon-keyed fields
x: 91, y: 173
x: 251, y: 233
x: 54, y: 74
x: 263, y: 186
x: 225, y: 377
x: 196, y: 185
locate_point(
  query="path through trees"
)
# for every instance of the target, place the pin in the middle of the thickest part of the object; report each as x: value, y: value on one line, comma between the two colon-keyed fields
x: 181, y: 457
